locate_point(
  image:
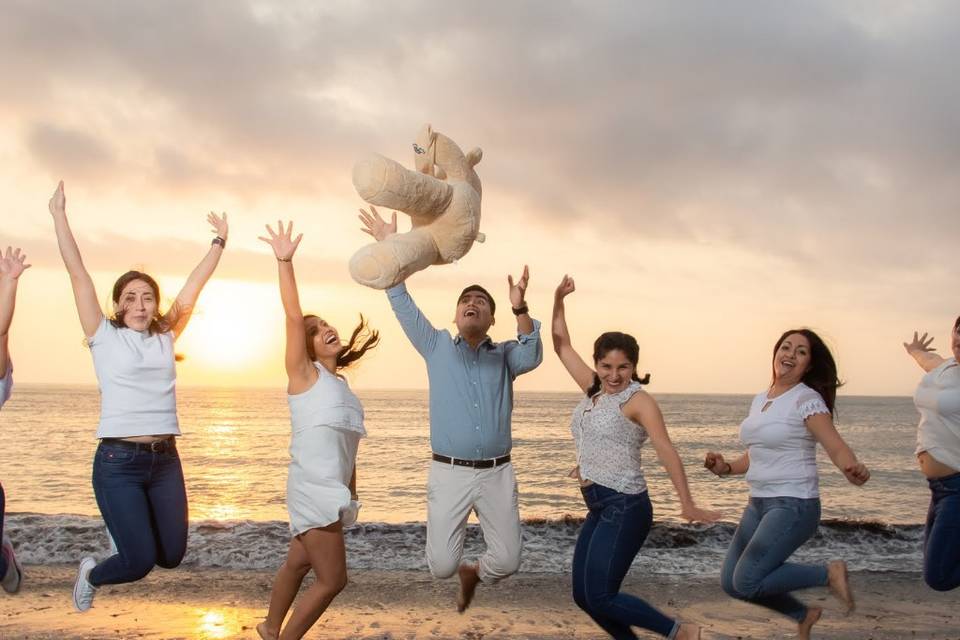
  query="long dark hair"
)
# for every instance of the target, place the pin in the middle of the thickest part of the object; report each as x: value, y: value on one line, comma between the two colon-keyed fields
x: 157, y: 323
x: 616, y: 341
x: 822, y: 375
x: 361, y: 340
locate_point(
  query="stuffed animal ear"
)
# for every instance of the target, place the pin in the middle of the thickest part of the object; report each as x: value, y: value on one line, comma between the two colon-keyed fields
x: 474, y: 156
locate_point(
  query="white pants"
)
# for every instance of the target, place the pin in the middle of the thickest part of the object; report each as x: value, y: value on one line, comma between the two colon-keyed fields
x: 452, y: 492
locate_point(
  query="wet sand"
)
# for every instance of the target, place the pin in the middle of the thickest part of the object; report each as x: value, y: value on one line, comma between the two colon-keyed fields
x: 214, y: 604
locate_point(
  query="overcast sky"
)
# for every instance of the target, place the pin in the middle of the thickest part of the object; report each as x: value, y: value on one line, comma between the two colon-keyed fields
x: 711, y: 173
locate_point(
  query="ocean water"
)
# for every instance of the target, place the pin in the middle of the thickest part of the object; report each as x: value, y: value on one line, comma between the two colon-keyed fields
x: 234, y: 453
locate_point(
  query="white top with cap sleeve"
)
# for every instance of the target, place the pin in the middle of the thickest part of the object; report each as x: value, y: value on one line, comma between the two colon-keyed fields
x: 783, y: 452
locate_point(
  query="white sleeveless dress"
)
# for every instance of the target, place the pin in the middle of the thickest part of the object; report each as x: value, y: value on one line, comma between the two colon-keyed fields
x: 327, y: 421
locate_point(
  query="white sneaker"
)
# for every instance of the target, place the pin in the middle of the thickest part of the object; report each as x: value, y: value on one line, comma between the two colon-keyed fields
x: 83, y: 591
x: 14, y: 576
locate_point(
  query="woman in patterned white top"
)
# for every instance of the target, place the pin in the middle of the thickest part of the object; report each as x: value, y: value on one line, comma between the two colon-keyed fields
x: 327, y: 421
x: 781, y: 433
x: 609, y: 428
x: 938, y: 451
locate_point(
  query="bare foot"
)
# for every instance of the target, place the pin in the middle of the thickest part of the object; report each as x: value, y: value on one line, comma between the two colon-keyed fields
x: 469, y: 579
x: 265, y: 633
x: 840, y: 584
x: 813, y: 614
x: 688, y: 632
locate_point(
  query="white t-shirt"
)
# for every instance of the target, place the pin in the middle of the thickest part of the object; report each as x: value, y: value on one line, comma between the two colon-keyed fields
x: 783, y: 452
x: 6, y: 383
x: 938, y: 401
x: 137, y: 377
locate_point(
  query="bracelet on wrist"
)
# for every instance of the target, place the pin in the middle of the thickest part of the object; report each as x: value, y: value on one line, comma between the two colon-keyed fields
x: 290, y: 259
x: 220, y: 241
x: 519, y: 311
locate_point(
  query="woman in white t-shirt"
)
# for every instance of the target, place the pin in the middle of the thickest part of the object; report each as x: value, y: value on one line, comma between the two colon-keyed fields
x: 12, y: 264
x: 938, y: 451
x: 781, y: 433
x: 609, y: 427
x: 137, y: 476
x: 327, y: 422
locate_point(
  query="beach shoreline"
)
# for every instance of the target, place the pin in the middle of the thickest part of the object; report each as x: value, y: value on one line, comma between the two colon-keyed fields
x: 215, y: 604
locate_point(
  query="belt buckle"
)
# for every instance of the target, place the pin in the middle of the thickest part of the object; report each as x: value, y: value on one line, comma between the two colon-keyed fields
x: 157, y: 446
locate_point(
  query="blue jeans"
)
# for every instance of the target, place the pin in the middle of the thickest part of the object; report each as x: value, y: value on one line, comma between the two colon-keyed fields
x: 615, y: 528
x: 143, y: 500
x: 941, y: 544
x: 3, y: 504
x: 756, y: 569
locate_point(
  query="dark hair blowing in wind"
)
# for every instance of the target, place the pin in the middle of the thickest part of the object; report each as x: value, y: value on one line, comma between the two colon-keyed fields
x: 616, y: 341
x: 361, y: 340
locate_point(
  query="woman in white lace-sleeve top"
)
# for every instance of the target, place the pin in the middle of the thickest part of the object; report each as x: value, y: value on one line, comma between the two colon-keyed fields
x: 938, y: 452
x: 781, y: 434
x: 609, y: 426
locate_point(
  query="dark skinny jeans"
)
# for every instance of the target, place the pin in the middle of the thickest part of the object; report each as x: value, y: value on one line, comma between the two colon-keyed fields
x: 143, y: 501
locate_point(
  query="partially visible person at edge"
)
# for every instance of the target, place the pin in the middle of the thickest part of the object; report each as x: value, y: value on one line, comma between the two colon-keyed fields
x: 327, y: 422
x: 938, y: 451
x: 137, y: 476
x: 471, y: 401
x: 781, y: 433
x: 610, y: 425
x: 12, y: 264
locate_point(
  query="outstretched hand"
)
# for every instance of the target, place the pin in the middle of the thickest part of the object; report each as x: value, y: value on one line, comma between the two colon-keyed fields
x: 519, y: 289
x: 219, y: 224
x: 58, y: 201
x: 920, y: 344
x: 565, y: 288
x: 282, y: 242
x: 376, y: 226
x: 693, y: 513
x: 12, y: 263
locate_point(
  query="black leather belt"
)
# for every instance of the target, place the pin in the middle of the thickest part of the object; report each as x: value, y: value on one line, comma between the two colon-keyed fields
x: 474, y: 464
x: 167, y: 444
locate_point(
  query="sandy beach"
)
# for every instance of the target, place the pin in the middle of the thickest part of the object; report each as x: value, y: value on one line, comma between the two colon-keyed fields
x: 213, y: 604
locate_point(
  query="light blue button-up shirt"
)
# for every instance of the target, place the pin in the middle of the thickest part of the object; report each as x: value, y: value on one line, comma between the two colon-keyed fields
x: 471, y: 390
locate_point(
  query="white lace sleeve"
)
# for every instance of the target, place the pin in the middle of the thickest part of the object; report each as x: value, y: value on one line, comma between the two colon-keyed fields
x: 811, y: 403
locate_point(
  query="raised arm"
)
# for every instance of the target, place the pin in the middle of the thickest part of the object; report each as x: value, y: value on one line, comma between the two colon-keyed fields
x: 422, y: 334
x: 643, y: 410
x: 84, y: 294
x: 527, y: 353
x: 579, y: 370
x: 922, y: 352
x: 822, y: 428
x: 301, y: 374
x: 179, y: 314
x: 11, y: 266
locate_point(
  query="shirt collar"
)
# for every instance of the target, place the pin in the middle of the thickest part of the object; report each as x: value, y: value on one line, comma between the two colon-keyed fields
x: 487, y: 341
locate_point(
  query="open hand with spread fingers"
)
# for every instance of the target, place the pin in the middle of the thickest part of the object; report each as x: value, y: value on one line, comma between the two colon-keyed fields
x: 376, y: 226
x: 219, y: 224
x: 282, y: 242
x: 920, y: 344
x: 12, y: 263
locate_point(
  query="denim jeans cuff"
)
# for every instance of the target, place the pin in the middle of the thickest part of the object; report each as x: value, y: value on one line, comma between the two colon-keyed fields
x: 673, y: 632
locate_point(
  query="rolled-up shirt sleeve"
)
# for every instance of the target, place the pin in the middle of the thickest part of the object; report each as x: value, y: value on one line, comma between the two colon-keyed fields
x: 422, y: 334
x: 526, y: 353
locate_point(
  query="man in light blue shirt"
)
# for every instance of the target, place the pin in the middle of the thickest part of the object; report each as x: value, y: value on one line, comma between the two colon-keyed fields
x: 471, y: 401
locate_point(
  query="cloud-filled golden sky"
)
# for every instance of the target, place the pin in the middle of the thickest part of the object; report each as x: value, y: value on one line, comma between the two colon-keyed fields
x: 710, y: 173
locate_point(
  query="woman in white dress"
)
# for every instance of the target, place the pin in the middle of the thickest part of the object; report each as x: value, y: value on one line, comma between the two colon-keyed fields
x: 327, y: 421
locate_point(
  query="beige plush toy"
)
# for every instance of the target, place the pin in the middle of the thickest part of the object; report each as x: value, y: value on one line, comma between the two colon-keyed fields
x: 442, y: 198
